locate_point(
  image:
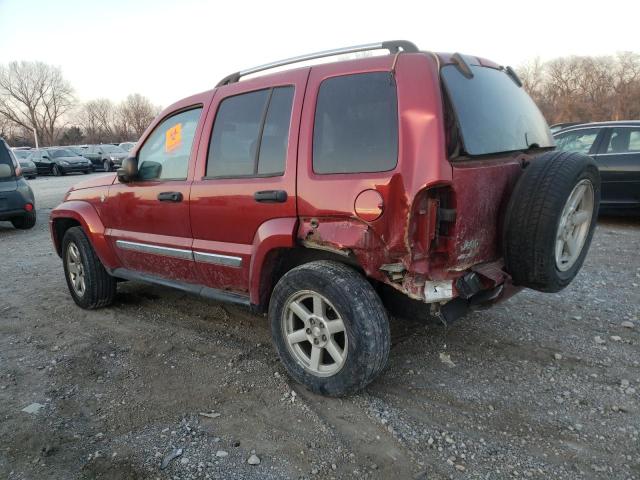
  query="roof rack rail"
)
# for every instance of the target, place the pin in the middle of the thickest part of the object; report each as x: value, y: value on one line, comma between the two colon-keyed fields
x: 394, y: 46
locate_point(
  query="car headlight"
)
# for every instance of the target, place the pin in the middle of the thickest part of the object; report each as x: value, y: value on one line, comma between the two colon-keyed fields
x: 63, y: 162
x: 112, y: 158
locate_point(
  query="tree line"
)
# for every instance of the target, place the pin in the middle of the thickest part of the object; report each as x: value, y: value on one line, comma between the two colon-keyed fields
x: 34, y: 96
x: 585, y: 89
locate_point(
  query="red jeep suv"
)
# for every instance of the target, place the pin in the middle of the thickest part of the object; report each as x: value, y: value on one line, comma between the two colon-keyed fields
x: 315, y: 193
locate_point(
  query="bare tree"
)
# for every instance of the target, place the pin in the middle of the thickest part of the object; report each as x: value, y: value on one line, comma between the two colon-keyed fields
x: 585, y: 88
x: 136, y: 113
x: 35, y: 95
x: 98, y: 117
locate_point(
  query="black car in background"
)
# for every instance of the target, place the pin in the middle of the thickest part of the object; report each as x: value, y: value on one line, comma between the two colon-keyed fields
x: 556, y: 127
x: 17, y: 203
x: 106, y: 156
x: 59, y: 161
x: 77, y: 149
x: 615, y: 146
x: 29, y: 169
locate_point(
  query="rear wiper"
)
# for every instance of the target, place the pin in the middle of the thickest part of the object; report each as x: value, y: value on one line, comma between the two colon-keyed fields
x: 462, y: 65
x: 514, y: 76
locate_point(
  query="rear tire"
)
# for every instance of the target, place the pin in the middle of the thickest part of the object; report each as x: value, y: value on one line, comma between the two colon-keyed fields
x: 348, y: 326
x: 25, y: 222
x: 89, y: 283
x: 546, y: 236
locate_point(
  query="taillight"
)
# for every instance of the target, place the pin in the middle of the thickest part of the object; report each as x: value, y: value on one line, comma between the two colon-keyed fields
x: 433, y: 221
x: 28, y: 207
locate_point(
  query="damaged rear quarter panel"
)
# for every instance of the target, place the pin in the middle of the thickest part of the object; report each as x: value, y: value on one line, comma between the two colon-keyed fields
x: 482, y: 190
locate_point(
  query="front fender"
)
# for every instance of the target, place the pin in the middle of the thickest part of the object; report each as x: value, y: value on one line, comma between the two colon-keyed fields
x: 86, y: 215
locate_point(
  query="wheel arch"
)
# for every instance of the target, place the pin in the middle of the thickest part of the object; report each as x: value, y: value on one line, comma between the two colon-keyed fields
x: 276, y: 251
x: 82, y: 214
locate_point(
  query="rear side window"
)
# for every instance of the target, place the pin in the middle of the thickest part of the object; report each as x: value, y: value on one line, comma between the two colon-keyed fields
x: 165, y: 154
x: 250, y: 134
x: 578, y: 140
x: 356, y: 124
x: 624, y: 140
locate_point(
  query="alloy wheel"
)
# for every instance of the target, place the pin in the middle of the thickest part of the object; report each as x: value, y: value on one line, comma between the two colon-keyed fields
x: 75, y: 269
x: 573, y: 228
x: 315, y: 333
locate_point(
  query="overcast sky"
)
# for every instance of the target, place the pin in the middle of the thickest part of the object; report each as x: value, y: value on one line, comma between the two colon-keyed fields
x: 168, y: 49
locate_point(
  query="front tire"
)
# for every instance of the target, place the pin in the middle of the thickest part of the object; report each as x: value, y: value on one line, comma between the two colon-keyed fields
x: 107, y: 166
x: 57, y: 171
x: 329, y: 327
x: 89, y: 283
x: 25, y: 222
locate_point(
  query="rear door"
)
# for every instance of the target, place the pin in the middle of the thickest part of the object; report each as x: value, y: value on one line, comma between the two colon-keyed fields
x: 246, y: 173
x: 148, y: 219
x: 618, y: 160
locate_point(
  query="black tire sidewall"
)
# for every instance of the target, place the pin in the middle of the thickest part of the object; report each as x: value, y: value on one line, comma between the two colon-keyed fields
x: 95, y: 294
x: 361, y: 352
x: 533, y: 216
x: 26, y: 221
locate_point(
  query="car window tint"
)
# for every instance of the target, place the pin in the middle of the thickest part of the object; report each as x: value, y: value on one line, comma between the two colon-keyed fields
x: 624, y: 140
x: 578, y: 140
x: 275, y: 135
x: 165, y: 154
x: 232, y: 149
x: 250, y: 134
x: 356, y: 124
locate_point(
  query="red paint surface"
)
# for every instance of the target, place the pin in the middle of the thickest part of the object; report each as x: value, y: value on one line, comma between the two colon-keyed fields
x: 221, y: 216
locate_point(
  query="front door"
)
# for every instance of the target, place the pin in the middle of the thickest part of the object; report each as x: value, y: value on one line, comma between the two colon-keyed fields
x: 148, y: 219
x: 246, y: 175
x: 619, y: 164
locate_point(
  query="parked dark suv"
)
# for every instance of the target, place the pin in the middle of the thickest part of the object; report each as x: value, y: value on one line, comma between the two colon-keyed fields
x: 105, y: 156
x: 312, y: 193
x: 17, y: 204
x: 615, y: 147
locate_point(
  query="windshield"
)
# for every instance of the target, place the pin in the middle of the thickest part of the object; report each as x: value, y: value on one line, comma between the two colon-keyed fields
x: 63, y: 152
x: 77, y: 150
x: 494, y: 114
x: 111, y: 149
x: 21, y: 154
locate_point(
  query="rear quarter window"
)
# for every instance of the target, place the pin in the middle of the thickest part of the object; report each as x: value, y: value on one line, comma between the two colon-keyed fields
x: 356, y: 124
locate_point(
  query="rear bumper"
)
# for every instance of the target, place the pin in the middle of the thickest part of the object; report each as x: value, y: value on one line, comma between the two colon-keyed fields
x: 12, y: 203
x: 6, y: 215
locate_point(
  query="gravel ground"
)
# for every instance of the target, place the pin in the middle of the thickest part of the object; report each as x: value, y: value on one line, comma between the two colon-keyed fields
x: 541, y: 386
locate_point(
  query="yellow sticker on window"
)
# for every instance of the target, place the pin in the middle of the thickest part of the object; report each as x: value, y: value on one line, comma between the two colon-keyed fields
x: 173, y: 138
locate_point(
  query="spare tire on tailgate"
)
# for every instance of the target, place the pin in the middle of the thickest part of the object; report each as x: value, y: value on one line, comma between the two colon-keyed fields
x: 550, y: 220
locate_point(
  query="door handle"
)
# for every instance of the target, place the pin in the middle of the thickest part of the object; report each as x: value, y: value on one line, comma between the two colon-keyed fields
x: 170, y: 196
x: 270, y: 196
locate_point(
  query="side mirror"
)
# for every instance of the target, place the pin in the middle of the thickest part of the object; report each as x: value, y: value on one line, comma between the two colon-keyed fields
x: 45, y: 157
x: 5, y: 171
x: 128, y: 172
